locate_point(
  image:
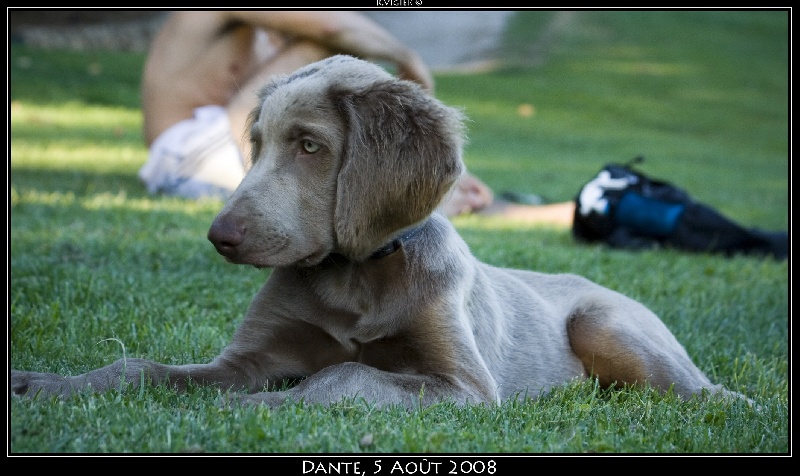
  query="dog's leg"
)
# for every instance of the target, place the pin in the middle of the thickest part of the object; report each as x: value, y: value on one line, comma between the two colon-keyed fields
x: 266, y: 348
x: 124, y: 373
x: 356, y: 380
x: 255, y: 358
x: 621, y: 342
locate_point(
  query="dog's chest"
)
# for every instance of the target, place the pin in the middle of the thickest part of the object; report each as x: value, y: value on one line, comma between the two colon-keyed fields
x: 358, y: 303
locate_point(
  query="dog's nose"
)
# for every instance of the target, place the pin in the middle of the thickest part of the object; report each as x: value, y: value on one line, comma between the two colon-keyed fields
x: 226, y: 235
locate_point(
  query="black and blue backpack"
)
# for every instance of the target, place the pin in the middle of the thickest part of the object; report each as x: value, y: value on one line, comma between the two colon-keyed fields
x: 626, y: 209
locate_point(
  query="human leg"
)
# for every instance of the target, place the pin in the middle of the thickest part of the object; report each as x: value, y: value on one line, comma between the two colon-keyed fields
x: 468, y: 196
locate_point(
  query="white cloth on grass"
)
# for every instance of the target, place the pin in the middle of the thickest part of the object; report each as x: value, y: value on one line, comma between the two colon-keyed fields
x: 195, y: 158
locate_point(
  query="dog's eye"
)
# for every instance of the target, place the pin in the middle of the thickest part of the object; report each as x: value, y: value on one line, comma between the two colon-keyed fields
x: 310, y: 147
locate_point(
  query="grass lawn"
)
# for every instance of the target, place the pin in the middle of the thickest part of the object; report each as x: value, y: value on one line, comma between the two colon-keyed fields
x: 99, y: 269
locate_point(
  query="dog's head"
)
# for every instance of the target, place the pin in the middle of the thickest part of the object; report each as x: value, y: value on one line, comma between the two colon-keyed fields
x: 344, y: 157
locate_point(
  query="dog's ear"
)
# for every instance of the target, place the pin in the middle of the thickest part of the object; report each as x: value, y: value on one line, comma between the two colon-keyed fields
x: 401, y: 157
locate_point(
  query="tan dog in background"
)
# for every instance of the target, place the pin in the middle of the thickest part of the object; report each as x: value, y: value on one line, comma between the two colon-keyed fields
x: 375, y: 295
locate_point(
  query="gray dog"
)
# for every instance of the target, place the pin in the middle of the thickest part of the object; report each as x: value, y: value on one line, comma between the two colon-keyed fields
x: 373, y: 293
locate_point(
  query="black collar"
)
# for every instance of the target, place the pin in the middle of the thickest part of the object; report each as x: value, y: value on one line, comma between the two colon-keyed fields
x: 396, y: 243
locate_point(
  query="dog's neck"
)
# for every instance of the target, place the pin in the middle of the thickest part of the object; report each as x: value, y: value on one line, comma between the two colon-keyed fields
x: 396, y: 242
x: 393, y: 245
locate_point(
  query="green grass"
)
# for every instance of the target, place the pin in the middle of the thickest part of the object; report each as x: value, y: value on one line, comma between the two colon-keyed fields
x: 703, y: 95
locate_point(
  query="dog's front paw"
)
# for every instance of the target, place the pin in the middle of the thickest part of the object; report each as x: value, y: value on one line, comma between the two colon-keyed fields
x: 19, y: 383
x: 33, y: 384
